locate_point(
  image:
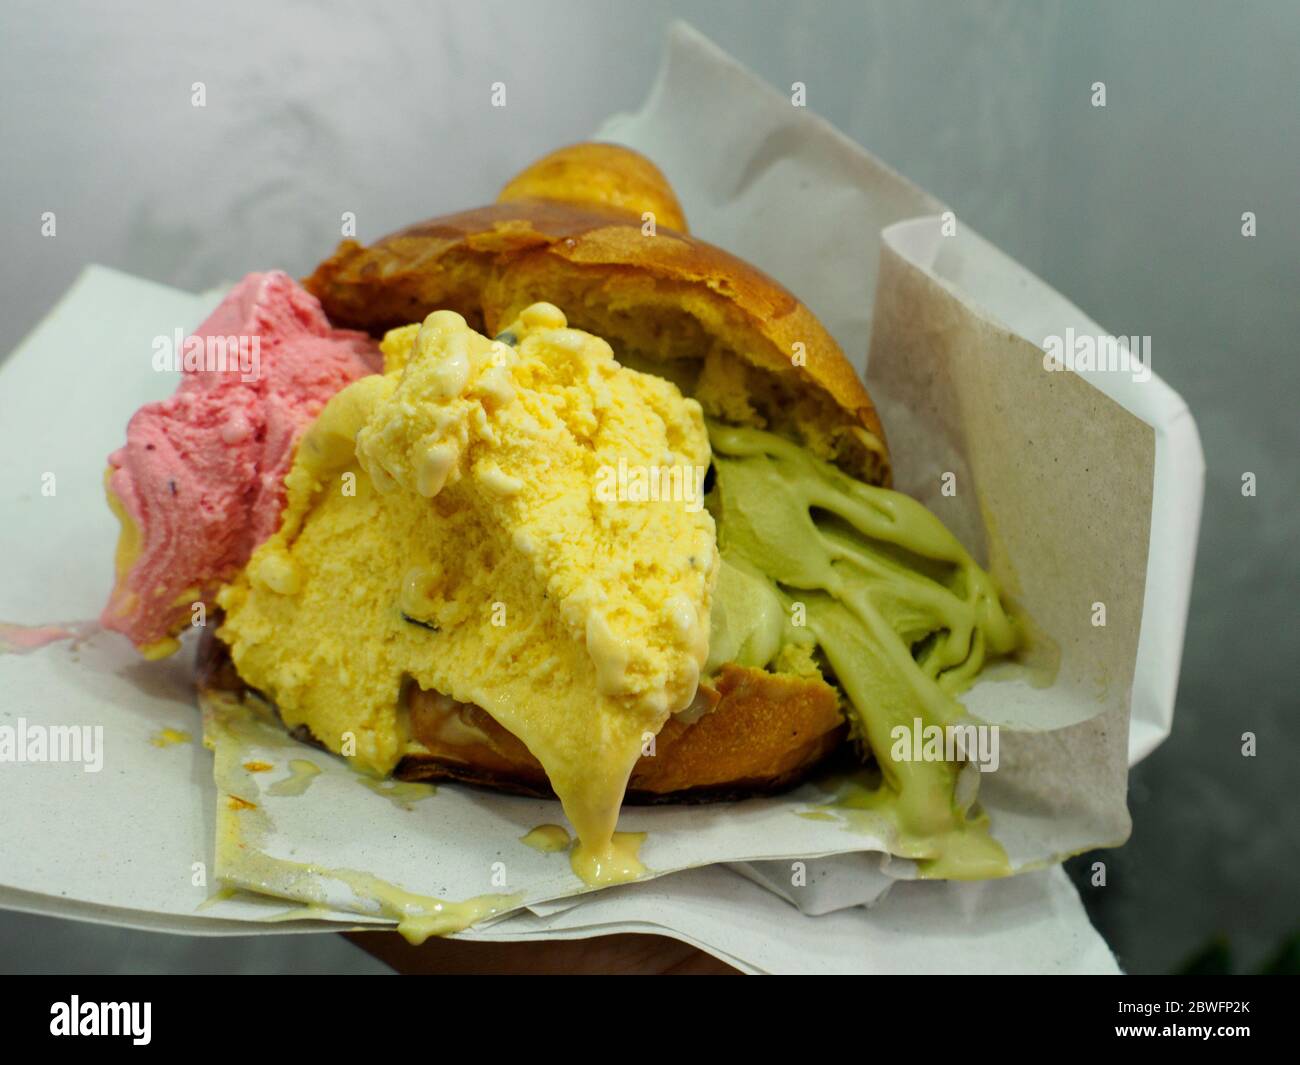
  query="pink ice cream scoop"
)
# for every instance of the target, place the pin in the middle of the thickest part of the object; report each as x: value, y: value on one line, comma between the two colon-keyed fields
x: 200, y: 482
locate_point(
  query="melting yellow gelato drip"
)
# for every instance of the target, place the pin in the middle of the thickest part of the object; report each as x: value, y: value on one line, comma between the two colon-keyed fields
x: 129, y: 545
x: 401, y: 793
x: 301, y: 774
x: 549, y: 839
x: 616, y: 863
x: 418, y: 916
x: 445, y: 523
x: 129, y: 540
x: 243, y: 827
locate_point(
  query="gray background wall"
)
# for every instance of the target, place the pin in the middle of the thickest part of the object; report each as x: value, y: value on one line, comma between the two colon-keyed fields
x: 1133, y: 211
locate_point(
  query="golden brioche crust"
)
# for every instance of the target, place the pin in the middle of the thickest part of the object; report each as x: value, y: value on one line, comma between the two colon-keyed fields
x: 594, y: 174
x: 726, y: 332
x: 765, y: 733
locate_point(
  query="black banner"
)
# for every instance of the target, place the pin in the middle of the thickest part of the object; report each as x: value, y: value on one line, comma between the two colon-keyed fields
x: 303, y: 1013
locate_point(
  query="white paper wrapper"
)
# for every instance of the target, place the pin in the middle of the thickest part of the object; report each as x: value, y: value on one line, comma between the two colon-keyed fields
x: 781, y: 188
x: 784, y: 189
x: 1030, y: 924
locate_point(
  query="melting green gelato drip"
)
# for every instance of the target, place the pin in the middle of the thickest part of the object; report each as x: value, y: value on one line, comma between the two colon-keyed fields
x: 904, y: 616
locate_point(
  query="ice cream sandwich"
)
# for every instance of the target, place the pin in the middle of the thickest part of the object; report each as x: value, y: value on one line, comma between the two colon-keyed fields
x: 613, y: 523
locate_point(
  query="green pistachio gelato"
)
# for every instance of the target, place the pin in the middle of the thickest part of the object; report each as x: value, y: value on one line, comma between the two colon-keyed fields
x: 902, y: 615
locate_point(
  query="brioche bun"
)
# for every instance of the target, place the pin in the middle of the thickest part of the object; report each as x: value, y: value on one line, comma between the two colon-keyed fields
x: 761, y: 733
x: 570, y: 230
x: 599, y: 175
x: 668, y: 303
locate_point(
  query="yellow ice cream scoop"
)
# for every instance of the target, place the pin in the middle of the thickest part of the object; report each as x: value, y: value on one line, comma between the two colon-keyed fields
x: 516, y: 524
